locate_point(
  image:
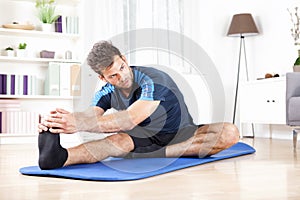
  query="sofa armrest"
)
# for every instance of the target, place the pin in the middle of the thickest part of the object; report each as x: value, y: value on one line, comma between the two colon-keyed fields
x: 293, y: 111
x: 292, y: 90
x: 292, y: 84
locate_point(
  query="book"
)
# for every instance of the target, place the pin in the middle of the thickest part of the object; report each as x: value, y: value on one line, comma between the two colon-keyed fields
x: 12, y: 84
x: 25, y: 84
x: 1, y: 131
x: 33, y: 85
x: 65, y: 87
x: 3, y: 122
x: 4, y: 83
x: 68, y: 24
x: 70, y: 82
x: 29, y: 85
x: 64, y: 24
x: 8, y: 84
x: 58, y: 25
x: 52, y: 81
x: 19, y: 84
x: 1, y: 83
x: 76, y: 25
x: 75, y: 82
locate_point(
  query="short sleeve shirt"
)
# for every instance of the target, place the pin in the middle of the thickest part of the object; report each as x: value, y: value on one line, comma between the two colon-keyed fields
x: 150, y: 84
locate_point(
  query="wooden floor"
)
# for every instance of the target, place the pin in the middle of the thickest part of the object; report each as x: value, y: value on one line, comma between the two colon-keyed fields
x: 273, y: 172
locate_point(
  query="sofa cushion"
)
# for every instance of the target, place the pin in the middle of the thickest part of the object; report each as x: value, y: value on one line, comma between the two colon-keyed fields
x: 294, y: 111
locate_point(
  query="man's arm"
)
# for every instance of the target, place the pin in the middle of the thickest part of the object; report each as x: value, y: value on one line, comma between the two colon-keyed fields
x: 127, y: 119
x: 97, y: 122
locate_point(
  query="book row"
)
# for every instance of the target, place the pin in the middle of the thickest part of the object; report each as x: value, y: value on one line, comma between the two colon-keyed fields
x: 17, y: 84
x: 67, y: 24
x: 63, y: 79
x: 18, y: 122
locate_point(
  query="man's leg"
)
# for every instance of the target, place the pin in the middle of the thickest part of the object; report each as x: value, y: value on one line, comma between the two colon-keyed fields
x: 207, y: 140
x: 53, y: 155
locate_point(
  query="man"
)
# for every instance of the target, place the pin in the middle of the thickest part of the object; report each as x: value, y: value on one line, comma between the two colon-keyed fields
x: 152, y: 118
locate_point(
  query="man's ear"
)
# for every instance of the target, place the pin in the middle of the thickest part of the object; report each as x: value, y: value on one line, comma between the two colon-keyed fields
x: 101, y: 77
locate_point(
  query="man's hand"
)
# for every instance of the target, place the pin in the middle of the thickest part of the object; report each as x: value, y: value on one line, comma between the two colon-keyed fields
x: 58, y: 121
x: 42, y: 122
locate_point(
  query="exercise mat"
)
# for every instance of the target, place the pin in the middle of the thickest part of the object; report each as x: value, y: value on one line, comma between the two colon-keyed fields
x: 119, y: 169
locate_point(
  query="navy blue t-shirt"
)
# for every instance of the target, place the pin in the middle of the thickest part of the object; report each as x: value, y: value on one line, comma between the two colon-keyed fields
x: 150, y: 84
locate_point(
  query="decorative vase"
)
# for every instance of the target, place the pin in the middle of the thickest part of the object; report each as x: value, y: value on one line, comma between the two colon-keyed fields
x: 47, y: 27
x: 21, y: 53
x: 10, y: 53
x: 296, y: 68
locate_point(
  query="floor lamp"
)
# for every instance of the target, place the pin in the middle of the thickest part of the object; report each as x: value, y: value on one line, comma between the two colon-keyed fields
x: 241, y: 25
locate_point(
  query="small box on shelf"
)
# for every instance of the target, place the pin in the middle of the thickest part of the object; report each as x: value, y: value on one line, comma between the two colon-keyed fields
x: 47, y: 54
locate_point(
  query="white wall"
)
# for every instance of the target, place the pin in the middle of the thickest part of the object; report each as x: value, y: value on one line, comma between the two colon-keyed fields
x: 207, y: 22
x: 272, y: 51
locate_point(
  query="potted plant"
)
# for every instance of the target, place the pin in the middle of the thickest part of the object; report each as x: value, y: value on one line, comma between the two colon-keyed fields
x: 46, y: 13
x: 296, y: 67
x: 295, y: 32
x: 21, y: 51
x: 9, y: 51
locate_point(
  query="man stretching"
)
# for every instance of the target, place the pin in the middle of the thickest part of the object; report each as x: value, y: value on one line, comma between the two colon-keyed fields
x: 152, y: 118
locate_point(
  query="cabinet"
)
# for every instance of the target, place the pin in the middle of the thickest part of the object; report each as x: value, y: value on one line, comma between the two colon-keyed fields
x: 263, y: 101
x: 32, y: 64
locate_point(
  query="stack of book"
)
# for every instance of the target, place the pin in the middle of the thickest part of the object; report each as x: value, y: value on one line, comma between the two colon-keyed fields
x: 67, y: 24
x: 63, y: 79
x: 15, y: 121
x: 17, y: 84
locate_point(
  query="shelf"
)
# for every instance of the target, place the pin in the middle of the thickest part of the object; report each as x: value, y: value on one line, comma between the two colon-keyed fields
x: 36, y: 97
x: 17, y: 135
x: 35, y: 60
x: 34, y: 33
x: 58, y: 2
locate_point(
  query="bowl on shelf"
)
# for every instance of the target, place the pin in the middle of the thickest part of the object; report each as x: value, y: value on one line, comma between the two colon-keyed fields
x: 47, y: 54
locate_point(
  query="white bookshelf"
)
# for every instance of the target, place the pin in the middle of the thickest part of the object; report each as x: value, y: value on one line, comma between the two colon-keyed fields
x: 34, y: 65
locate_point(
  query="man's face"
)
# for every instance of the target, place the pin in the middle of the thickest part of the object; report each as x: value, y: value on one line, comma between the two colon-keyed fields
x: 119, y: 74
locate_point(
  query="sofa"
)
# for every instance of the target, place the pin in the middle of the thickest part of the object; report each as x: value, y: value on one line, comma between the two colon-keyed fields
x: 293, y: 103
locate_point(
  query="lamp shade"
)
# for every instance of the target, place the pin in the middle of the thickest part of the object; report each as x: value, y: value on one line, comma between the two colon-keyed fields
x: 242, y: 24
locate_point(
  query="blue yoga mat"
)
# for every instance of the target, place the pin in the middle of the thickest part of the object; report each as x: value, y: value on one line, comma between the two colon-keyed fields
x: 118, y: 169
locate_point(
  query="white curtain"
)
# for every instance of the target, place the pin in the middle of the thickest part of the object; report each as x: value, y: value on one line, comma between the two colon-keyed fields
x: 108, y: 18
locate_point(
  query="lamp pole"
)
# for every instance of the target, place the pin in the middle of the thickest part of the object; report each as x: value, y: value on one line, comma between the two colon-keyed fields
x: 238, y: 77
x: 242, y: 45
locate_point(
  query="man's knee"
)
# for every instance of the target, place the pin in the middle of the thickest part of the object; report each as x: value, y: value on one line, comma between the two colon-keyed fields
x: 231, y: 133
x: 121, y: 141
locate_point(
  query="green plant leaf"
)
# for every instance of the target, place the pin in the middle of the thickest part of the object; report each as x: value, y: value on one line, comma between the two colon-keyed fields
x: 46, y: 11
x: 22, y: 46
x: 9, y: 49
x: 297, y: 62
